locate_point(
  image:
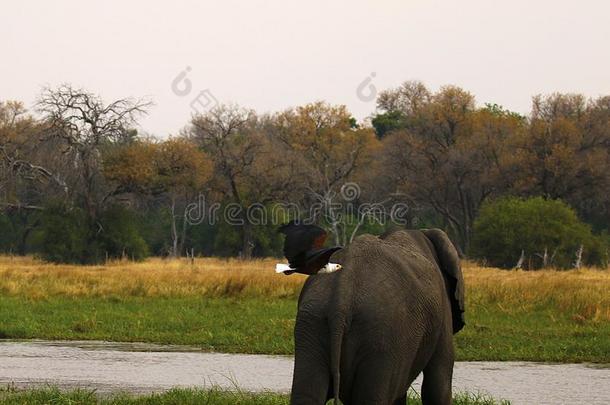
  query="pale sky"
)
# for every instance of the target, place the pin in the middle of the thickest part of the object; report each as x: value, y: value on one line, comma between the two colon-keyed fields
x: 270, y: 55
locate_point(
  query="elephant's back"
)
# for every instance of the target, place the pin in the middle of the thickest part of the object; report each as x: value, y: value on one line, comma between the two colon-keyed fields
x: 403, y: 264
x: 398, y: 292
x: 397, y: 308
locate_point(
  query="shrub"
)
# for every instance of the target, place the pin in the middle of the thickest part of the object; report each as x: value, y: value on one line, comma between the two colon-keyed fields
x: 66, y: 236
x: 508, y: 226
x: 7, y: 234
x: 63, y: 234
x: 120, y: 235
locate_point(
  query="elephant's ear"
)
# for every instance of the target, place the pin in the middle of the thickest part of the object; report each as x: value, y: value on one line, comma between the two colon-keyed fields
x: 449, y: 262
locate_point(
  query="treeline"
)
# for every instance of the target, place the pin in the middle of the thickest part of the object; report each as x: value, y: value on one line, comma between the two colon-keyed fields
x: 79, y: 184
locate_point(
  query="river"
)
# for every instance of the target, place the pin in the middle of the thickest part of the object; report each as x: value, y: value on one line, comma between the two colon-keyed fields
x: 142, y: 368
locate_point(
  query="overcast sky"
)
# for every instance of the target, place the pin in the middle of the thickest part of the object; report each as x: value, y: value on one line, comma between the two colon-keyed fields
x: 270, y: 55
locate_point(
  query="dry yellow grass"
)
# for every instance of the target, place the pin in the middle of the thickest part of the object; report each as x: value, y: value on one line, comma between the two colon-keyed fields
x: 582, y: 294
x: 152, y: 278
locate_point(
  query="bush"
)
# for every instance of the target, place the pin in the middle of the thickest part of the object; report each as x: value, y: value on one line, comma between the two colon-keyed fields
x: 120, y: 236
x: 66, y: 236
x: 508, y: 226
x: 63, y: 234
x: 7, y: 234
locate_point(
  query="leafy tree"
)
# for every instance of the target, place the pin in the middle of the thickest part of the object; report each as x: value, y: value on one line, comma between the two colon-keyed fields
x: 408, y: 98
x: 120, y: 234
x: 182, y: 170
x: 565, y: 153
x: 546, y: 232
x: 130, y: 168
x: 329, y: 153
x: 173, y: 171
x: 63, y: 235
x: 387, y: 122
x: 449, y: 156
x: 249, y: 168
x: 7, y: 237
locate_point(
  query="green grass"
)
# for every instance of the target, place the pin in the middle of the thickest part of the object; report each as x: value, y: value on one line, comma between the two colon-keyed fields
x: 178, y: 397
x: 213, y: 324
x: 542, y: 334
x: 258, y: 325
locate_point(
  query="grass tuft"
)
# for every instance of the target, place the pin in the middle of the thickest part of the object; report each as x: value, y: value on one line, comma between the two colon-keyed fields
x: 213, y: 396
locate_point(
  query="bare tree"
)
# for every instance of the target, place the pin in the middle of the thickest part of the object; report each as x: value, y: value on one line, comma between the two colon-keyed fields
x: 26, y: 174
x: 85, y: 125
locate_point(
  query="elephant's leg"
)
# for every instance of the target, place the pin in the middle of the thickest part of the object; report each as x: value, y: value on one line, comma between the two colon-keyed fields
x: 311, y: 381
x: 401, y: 401
x: 372, y: 382
x: 438, y: 373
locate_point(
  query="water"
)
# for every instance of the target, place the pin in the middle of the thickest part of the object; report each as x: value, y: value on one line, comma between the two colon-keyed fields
x: 142, y: 368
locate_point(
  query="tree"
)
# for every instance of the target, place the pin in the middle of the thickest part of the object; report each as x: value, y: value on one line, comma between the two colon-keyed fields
x: 121, y: 236
x: 130, y: 168
x: 19, y: 160
x: 390, y: 121
x: 544, y: 232
x: 29, y: 175
x: 407, y: 99
x: 448, y: 157
x: 565, y: 153
x: 249, y: 170
x: 330, y: 152
x: 174, y: 171
x: 84, y: 126
x: 64, y: 235
x: 182, y: 170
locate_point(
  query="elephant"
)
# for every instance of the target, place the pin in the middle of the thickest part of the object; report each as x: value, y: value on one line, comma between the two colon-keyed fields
x: 365, y: 332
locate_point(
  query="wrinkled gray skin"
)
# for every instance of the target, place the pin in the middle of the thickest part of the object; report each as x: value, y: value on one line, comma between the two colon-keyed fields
x: 374, y: 325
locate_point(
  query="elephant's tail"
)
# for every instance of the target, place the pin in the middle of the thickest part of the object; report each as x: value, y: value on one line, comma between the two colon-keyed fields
x: 337, y: 330
x: 339, y: 317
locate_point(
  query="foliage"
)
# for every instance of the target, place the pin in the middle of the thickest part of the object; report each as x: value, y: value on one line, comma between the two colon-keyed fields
x: 172, y: 171
x: 120, y: 234
x: 7, y: 237
x: 435, y: 152
x: 387, y: 122
x: 538, y: 227
x: 63, y: 234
